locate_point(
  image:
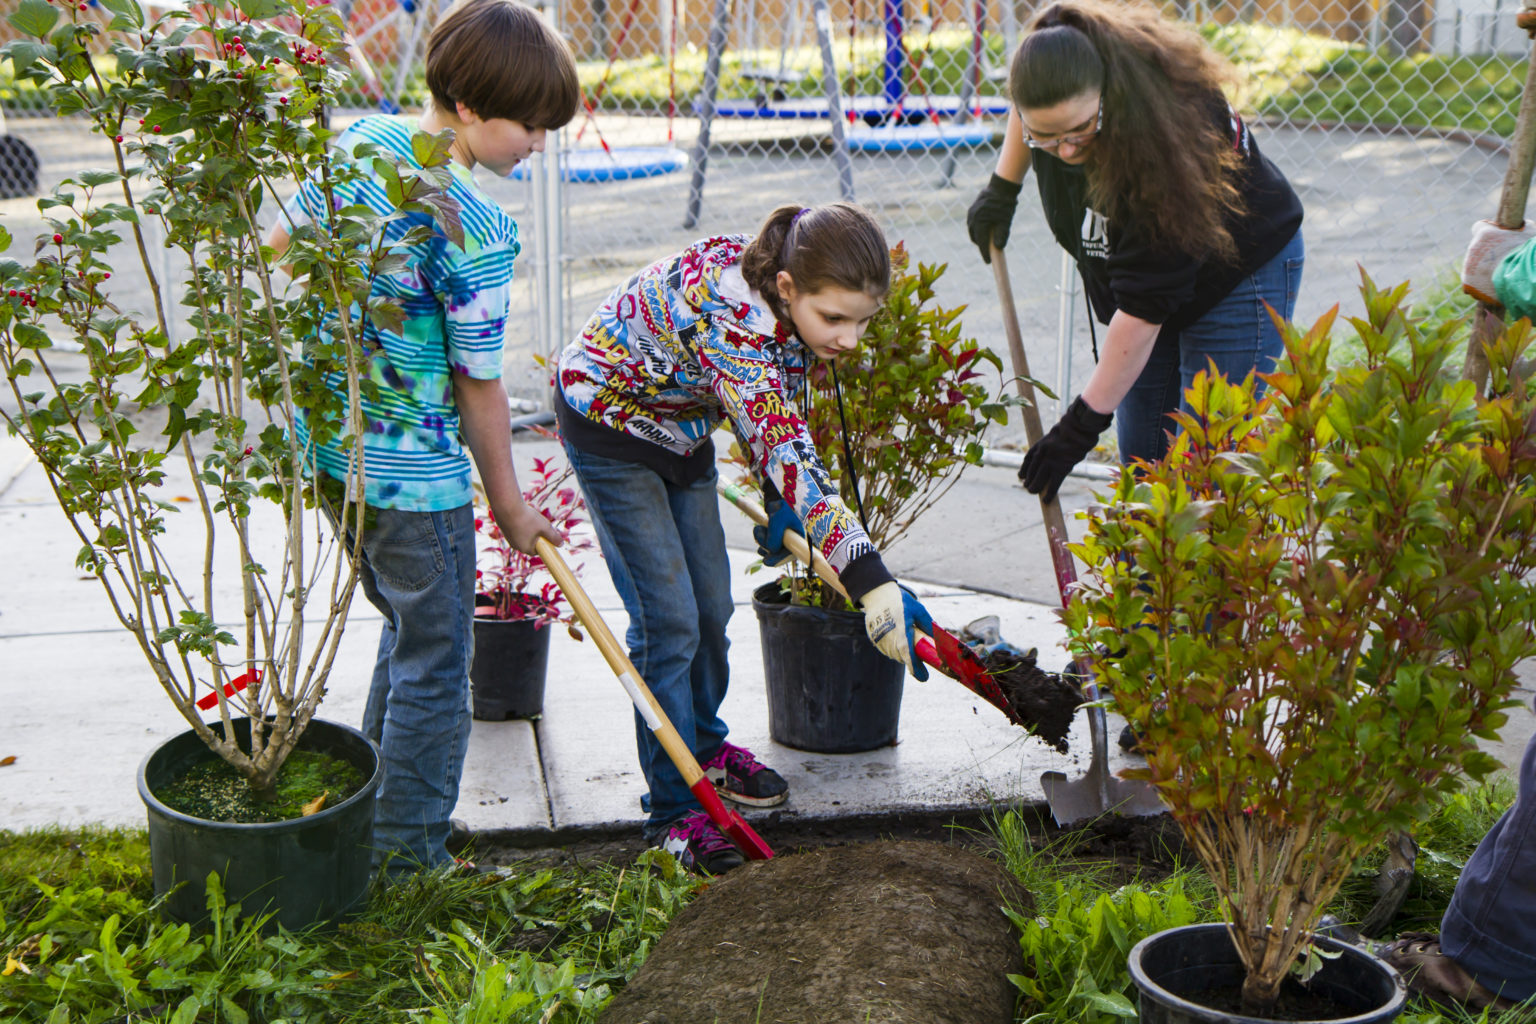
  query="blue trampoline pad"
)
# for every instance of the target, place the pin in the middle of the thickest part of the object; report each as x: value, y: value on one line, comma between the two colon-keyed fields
x: 859, y: 106
x: 903, y: 138
x: 619, y: 164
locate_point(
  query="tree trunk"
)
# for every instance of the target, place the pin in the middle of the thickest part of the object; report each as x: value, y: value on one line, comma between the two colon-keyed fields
x: 1260, y: 994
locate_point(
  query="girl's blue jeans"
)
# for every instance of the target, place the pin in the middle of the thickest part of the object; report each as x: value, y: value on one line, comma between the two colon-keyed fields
x: 418, y: 570
x: 665, y: 550
x: 1237, y: 334
x: 1489, y: 929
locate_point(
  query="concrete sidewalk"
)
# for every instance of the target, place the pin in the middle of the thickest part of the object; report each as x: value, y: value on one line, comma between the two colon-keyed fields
x: 80, y: 709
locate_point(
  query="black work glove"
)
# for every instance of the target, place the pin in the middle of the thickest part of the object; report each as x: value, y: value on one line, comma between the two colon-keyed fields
x: 1047, y: 464
x: 991, y: 215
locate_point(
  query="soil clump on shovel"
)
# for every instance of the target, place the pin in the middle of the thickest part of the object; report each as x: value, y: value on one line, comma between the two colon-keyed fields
x: 899, y: 932
x: 1044, y: 702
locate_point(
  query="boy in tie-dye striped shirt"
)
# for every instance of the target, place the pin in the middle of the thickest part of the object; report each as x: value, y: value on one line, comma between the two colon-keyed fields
x: 500, y: 78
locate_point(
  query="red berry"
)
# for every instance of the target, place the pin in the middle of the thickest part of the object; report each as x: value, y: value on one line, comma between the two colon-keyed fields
x: 84, y: 5
x: 107, y: 276
x: 249, y: 449
x: 57, y: 239
x: 239, y: 74
x: 117, y: 138
x: 322, y: 62
x: 141, y: 120
x: 13, y: 295
x: 157, y: 128
x: 283, y: 100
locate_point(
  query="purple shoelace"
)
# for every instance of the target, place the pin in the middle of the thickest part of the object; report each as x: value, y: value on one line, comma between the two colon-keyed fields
x: 697, y: 829
x: 740, y: 758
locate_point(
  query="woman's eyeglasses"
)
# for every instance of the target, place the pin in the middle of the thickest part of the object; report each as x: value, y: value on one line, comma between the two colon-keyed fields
x: 1075, y: 141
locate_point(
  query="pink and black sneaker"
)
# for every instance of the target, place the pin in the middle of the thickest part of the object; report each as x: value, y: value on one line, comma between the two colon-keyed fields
x: 741, y: 778
x: 699, y: 846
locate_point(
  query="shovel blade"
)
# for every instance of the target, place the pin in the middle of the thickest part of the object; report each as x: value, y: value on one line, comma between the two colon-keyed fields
x: 735, y: 827
x: 1081, y: 799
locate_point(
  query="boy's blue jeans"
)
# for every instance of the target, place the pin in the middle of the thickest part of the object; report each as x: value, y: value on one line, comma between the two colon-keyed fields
x: 665, y: 550
x: 418, y: 569
x: 1237, y: 333
x: 1490, y: 927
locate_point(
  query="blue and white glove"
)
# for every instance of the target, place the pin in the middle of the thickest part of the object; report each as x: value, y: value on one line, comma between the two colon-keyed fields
x: 891, y: 618
x: 770, y: 538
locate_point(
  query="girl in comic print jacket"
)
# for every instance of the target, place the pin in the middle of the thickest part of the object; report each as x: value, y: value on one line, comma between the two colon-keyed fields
x: 720, y: 332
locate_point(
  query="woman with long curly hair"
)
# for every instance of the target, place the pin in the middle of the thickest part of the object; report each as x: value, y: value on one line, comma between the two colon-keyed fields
x: 1182, y: 230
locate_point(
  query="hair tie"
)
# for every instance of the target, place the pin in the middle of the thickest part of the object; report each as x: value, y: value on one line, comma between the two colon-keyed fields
x: 796, y: 218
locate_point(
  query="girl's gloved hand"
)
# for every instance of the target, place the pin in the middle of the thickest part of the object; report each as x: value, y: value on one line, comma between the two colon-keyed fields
x: 770, y: 538
x: 891, y: 618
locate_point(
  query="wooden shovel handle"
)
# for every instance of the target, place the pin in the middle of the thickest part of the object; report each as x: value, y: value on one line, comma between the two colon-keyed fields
x: 618, y: 660
x: 1055, y: 522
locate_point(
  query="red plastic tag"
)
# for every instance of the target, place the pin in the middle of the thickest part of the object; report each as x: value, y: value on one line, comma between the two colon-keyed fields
x: 230, y: 688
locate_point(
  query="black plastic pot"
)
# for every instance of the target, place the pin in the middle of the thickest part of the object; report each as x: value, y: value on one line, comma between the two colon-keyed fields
x: 1173, y: 968
x: 306, y: 870
x: 507, y: 673
x: 829, y: 689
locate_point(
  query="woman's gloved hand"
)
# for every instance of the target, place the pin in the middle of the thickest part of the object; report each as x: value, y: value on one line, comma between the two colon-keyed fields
x: 990, y: 217
x: 1487, y: 249
x: 891, y: 618
x: 1047, y: 463
x: 770, y: 538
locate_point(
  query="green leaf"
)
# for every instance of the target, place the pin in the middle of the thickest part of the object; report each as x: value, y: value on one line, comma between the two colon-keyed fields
x: 1111, y: 1002
x: 34, y: 18
x: 187, y: 1012
x: 127, y: 14
x: 97, y: 178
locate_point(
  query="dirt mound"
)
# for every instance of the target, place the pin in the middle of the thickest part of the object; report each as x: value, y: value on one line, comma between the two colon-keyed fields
x: 892, y: 931
x: 1043, y: 701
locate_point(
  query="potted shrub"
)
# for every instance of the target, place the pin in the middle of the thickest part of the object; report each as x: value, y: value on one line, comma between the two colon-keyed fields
x: 516, y: 601
x: 915, y: 407
x: 238, y: 593
x: 1318, y: 600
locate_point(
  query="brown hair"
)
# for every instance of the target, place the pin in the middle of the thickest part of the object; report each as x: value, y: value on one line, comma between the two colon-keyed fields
x: 501, y: 59
x: 1160, y: 156
x: 836, y: 245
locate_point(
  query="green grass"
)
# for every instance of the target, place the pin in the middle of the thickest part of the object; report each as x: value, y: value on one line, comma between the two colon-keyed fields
x: 81, y: 940
x: 1310, y: 78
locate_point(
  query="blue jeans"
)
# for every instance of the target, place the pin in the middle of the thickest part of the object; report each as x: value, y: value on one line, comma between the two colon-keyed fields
x: 1237, y: 334
x: 1490, y: 927
x: 418, y: 569
x: 665, y: 550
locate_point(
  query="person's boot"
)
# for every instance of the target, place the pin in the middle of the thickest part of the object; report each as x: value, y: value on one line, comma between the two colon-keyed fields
x: 1432, y: 974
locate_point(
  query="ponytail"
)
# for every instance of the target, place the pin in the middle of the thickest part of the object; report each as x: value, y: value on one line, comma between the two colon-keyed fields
x: 837, y: 245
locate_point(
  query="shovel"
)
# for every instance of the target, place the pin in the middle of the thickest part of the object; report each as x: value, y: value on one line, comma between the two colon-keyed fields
x: 1098, y: 792
x: 727, y: 821
x: 944, y: 651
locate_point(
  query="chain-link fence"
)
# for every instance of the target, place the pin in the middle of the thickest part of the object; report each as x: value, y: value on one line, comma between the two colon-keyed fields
x: 1388, y: 117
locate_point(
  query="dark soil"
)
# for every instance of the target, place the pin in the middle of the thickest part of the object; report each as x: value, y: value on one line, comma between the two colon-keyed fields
x: 1295, y: 1003
x: 1046, y: 703
x: 890, y: 931
x: 212, y: 790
